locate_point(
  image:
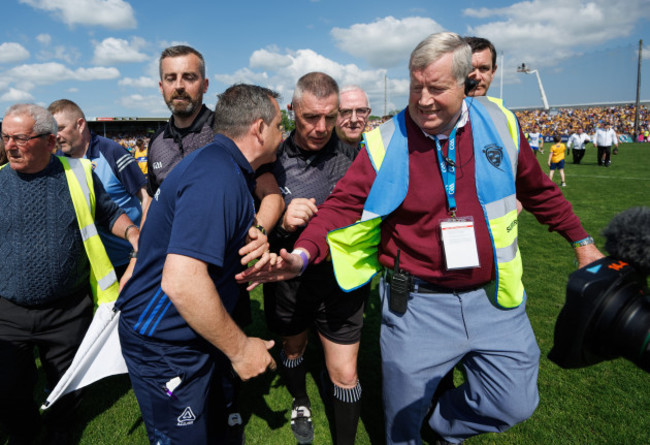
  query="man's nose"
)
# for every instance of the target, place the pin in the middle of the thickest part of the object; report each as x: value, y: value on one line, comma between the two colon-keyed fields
x: 426, y: 98
x: 179, y: 85
x: 321, y: 125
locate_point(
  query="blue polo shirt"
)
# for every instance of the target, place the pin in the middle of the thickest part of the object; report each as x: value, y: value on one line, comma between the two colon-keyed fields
x: 202, y: 210
x: 122, y: 178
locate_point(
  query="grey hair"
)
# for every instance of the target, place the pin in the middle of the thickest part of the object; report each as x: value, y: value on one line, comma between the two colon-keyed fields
x: 240, y: 106
x: 44, y: 122
x: 348, y: 88
x: 437, y: 45
x: 319, y: 84
x: 178, y: 51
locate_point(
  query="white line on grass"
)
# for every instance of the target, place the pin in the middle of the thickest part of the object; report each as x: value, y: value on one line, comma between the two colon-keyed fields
x: 573, y: 175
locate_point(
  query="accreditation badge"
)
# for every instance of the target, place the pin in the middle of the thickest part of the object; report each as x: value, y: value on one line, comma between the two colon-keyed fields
x: 459, y: 243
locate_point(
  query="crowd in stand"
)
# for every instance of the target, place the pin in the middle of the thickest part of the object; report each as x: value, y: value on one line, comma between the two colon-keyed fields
x: 129, y: 140
x: 564, y: 121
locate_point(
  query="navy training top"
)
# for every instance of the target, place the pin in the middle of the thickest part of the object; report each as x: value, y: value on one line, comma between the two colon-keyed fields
x: 202, y: 210
x: 122, y: 179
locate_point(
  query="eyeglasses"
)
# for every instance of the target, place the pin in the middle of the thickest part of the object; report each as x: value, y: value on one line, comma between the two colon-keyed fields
x: 361, y: 112
x: 20, y: 139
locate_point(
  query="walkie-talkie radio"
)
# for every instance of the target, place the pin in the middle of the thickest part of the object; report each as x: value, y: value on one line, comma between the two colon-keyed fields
x: 400, y: 285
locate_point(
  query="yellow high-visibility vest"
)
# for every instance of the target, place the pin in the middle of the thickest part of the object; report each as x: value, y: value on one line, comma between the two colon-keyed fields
x: 103, y: 280
x: 495, y: 133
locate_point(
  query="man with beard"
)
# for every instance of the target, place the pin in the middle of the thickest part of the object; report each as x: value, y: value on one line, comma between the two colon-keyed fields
x: 183, y: 84
x: 354, y: 109
x: 175, y: 325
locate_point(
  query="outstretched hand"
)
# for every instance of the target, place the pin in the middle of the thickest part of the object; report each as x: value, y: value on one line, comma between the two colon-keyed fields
x: 278, y: 268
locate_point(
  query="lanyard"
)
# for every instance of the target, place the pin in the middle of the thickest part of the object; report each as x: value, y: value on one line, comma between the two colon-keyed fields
x: 447, y: 165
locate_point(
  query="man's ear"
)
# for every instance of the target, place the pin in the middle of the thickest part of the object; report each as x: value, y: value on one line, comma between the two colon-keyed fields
x: 51, y: 142
x: 258, y: 128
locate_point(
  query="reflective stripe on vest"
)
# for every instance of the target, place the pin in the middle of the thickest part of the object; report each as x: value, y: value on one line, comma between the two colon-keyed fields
x: 103, y: 280
x: 355, y: 258
x: 499, y: 199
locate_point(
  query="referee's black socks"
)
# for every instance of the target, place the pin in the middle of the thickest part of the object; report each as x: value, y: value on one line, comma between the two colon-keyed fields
x: 346, y: 404
x: 294, y: 371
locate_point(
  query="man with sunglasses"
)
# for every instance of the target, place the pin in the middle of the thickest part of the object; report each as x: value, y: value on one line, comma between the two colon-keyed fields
x: 354, y: 110
x: 51, y: 258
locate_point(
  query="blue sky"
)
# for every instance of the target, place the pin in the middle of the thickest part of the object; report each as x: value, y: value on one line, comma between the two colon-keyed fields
x: 103, y: 54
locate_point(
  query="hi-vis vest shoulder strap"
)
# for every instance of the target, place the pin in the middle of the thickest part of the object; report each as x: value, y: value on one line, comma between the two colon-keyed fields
x: 496, y: 144
x: 103, y: 280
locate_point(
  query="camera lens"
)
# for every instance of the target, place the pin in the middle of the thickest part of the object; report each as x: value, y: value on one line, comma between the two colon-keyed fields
x: 606, y: 315
x: 622, y: 327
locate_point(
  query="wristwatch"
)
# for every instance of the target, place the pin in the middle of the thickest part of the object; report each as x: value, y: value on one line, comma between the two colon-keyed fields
x: 583, y: 242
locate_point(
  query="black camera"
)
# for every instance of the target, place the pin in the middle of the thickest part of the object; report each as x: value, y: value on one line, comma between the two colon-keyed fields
x: 607, y: 309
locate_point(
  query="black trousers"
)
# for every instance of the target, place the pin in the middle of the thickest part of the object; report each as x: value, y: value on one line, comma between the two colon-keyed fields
x: 578, y: 155
x: 57, y: 331
x: 604, y: 150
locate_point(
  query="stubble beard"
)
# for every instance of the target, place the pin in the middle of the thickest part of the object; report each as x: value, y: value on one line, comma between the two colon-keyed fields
x: 187, y: 110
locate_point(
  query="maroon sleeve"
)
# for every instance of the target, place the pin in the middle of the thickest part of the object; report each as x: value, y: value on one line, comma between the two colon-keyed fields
x: 342, y: 208
x: 540, y: 196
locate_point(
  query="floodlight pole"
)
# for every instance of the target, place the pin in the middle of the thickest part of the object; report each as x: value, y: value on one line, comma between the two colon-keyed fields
x: 524, y: 69
x: 638, y: 91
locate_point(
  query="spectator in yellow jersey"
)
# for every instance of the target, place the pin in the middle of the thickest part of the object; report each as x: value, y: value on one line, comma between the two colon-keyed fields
x: 556, y: 158
x: 140, y: 155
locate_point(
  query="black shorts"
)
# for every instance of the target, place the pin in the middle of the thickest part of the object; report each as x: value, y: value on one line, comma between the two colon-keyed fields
x: 292, y: 306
